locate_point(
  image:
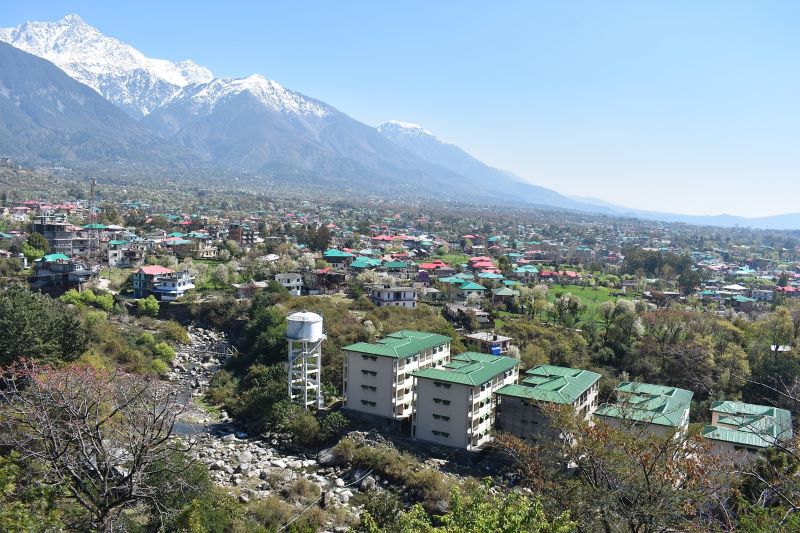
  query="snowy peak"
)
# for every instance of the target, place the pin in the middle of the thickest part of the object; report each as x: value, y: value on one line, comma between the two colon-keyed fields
x: 119, y: 72
x: 398, y: 128
x: 202, y: 99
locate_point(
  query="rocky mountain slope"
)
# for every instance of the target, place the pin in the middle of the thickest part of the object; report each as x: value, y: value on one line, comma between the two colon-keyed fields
x: 46, y: 115
x: 121, y: 73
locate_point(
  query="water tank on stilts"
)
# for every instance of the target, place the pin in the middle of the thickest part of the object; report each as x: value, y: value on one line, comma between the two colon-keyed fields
x: 304, y: 335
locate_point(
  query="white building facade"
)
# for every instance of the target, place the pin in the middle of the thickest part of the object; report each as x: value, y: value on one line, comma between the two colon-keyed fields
x: 377, y: 376
x: 454, y: 404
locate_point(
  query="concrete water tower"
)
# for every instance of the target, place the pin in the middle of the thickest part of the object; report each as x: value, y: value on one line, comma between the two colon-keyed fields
x: 304, y: 334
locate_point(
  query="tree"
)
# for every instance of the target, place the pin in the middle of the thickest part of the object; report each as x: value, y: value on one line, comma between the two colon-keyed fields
x: 625, y: 478
x: 148, y: 306
x: 105, y: 438
x: 688, y: 281
x: 25, y: 505
x: 37, y: 240
x: 35, y: 326
x: 567, y: 309
x: 480, y: 509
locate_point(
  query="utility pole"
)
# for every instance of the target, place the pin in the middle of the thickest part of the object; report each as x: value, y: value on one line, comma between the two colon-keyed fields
x: 94, y: 235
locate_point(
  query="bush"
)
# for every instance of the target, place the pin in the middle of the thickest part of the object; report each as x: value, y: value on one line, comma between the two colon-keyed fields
x: 333, y: 425
x: 216, y: 511
x: 272, y: 512
x: 164, y: 352
x: 302, y: 491
x: 172, y: 331
x: 102, y: 301
x: 344, y: 451
x: 222, y: 388
x: 159, y: 367
x: 297, y: 421
x: 148, y: 306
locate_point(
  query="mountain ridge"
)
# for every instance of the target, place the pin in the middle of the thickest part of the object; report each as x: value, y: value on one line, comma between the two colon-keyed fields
x: 256, y: 125
x: 116, y: 70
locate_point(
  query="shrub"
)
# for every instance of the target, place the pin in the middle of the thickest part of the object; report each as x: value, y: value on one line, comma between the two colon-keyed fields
x: 333, y: 425
x: 222, y: 388
x: 302, y: 491
x: 172, y: 331
x: 145, y: 338
x: 344, y: 451
x: 159, y: 367
x: 164, y: 352
x: 148, y: 306
x: 273, y: 513
x: 297, y: 421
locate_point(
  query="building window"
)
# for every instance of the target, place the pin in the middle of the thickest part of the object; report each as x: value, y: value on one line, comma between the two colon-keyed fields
x: 369, y: 372
x: 369, y: 387
x: 439, y: 384
x: 441, y: 401
x: 369, y: 403
x: 440, y: 433
x: 441, y: 417
x: 369, y: 357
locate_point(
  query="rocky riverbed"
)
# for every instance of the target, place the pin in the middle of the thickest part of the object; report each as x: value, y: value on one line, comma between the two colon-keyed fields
x: 253, y: 467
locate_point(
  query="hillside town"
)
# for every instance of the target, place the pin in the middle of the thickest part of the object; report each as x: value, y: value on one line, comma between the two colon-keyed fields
x: 479, y: 342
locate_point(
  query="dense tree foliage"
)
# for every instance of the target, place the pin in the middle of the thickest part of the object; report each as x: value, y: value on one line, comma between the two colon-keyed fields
x: 37, y: 327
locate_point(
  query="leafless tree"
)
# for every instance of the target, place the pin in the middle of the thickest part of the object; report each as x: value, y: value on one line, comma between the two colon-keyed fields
x: 106, y: 437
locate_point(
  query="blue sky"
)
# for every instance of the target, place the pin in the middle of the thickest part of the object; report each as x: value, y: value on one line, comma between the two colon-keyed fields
x: 690, y: 107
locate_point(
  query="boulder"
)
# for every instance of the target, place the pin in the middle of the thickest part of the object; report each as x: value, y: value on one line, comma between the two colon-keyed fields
x: 368, y: 483
x: 326, y: 457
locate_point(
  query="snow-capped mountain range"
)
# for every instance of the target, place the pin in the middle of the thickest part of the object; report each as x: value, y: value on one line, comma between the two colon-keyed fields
x: 119, y: 72
x: 178, y: 115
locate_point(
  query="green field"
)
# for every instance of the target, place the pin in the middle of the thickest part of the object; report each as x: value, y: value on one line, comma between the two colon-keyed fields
x: 591, y: 297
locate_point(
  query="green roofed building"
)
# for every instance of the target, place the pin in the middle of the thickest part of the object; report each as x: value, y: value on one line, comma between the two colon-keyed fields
x: 454, y: 405
x: 335, y: 256
x: 739, y: 430
x: 377, y: 375
x: 660, y: 409
x: 520, y: 406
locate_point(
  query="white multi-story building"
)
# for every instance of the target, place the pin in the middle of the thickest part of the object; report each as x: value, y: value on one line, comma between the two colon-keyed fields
x: 454, y: 404
x: 377, y: 375
x: 173, y: 285
x: 292, y: 281
x: 388, y: 296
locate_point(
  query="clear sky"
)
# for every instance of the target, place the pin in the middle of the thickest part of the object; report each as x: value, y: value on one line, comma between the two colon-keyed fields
x: 690, y: 107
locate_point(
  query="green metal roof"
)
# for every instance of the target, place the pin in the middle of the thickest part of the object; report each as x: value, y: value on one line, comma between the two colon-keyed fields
x: 469, y: 286
x: 469, y: 368
x: 117, y: 243
x: 759, y: 426
x: 333, y: 252
x: 395, y: 264
x: 505, y: 291
x: 400, y: 344
x: 553, y: 384
x: 95, y: 226
x: 54, y: 257
x: 653, y: 404
x: 365, y: 262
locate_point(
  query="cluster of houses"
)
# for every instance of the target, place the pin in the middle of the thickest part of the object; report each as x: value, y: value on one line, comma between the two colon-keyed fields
x: 410, y: 380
